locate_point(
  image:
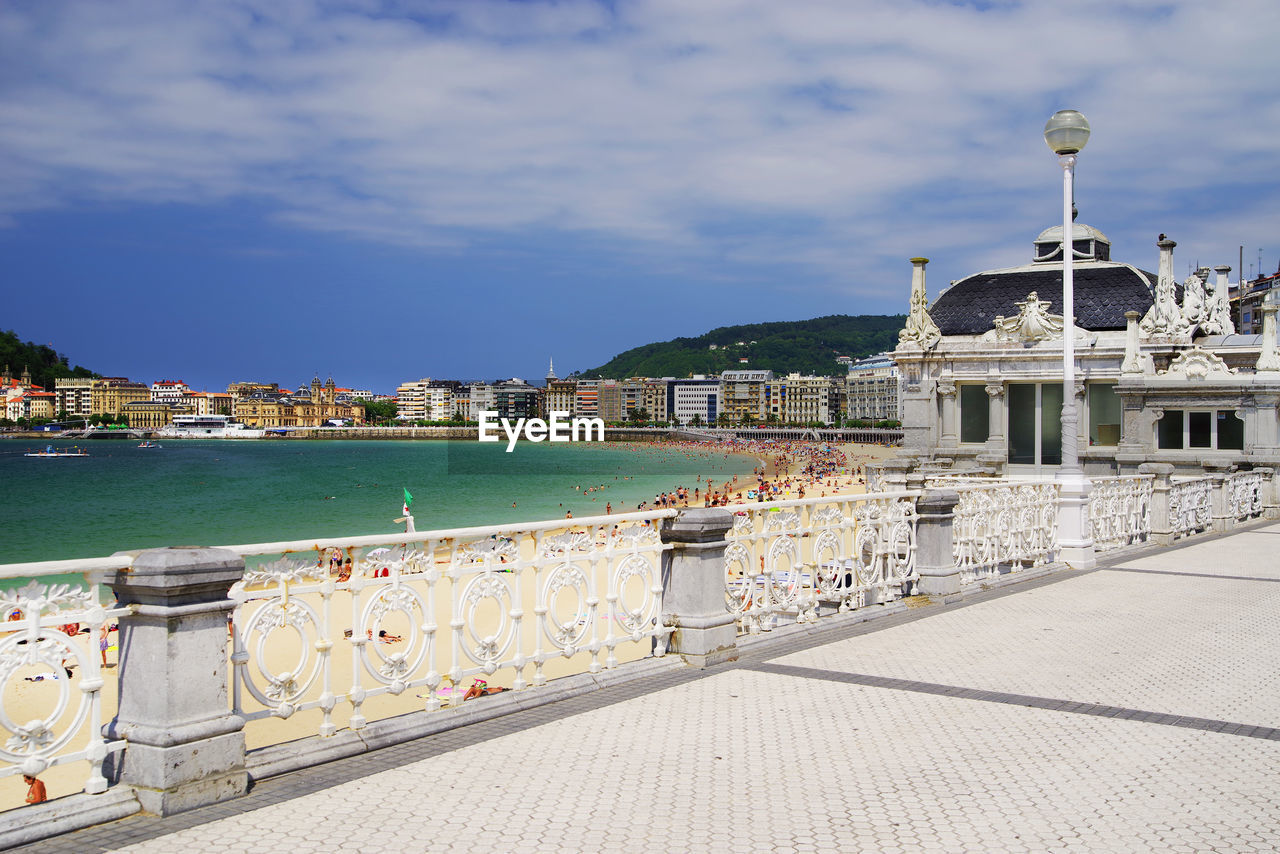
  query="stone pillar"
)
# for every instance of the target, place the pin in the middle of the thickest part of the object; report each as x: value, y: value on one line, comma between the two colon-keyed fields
x: 947, y: 395
x: 1270, y: 495
x: 706, y: 633
x: 1223, y: 520
x: 1132, y: 363
x: 186, y: 749
x: 1268, y: 358
x: 1265, y: 431
x: 935, y: 553
x: 995, y: 415
x: 1161, y: 520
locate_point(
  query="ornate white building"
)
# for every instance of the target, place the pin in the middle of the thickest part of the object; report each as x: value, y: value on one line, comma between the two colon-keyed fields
x: 1161, y: 376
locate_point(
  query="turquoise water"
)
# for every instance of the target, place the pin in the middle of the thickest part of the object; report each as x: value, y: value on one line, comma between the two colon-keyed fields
x: 223, y: 492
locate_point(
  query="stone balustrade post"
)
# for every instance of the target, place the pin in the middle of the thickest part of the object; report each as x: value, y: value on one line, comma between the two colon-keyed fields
x: 185, y: 747
x: 1161, y: 518
x: 706, y: 632
x: 935, y: 552
x: 1270, y: 495
x: 1220, y: 496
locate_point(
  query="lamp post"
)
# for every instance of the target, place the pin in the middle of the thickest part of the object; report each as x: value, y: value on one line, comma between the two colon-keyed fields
x: 1066, y: 133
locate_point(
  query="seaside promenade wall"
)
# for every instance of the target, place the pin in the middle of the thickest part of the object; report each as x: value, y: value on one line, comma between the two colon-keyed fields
x: 687, y: 588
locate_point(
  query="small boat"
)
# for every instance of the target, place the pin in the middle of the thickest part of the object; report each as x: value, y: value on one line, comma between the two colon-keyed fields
x: 50, y: 451
x: 149, y: 444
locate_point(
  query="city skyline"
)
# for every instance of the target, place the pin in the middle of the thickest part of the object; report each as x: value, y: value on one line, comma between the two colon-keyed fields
x: 381, y: 192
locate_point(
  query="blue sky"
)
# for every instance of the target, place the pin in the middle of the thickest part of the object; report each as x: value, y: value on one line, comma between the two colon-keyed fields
x: 384, y: 191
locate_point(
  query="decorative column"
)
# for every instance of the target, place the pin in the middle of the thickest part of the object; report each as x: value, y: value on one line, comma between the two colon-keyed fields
x: 947, y: 395
x: 706, y: 633
x: 995, y: 415
x: 1161, y: 518
x: 935, y: 553
x: 1132, y: 363
x: 1268, y: 359
x: 185, y: 748
x: 1220, y: 497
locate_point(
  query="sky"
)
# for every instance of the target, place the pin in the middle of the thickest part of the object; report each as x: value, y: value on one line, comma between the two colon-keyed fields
x: 384, y: 191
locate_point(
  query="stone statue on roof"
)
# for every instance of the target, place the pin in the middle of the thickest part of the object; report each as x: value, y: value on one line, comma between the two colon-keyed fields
x: 920, y: 329
x: 1193, y: 298
x: 1217, y: 305
x: 1165, y: 315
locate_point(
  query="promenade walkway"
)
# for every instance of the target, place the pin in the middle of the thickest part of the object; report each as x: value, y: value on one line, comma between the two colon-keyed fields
x: 1135, y: 707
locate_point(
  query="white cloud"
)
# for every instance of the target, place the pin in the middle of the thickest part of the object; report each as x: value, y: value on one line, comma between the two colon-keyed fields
x: 884, y: 124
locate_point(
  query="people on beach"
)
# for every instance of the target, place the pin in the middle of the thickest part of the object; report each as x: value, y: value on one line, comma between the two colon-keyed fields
x: 36, y: 793
x: 480, y: 688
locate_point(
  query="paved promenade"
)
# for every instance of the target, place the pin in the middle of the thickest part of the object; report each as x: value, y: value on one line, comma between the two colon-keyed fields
x: 1129, y: 708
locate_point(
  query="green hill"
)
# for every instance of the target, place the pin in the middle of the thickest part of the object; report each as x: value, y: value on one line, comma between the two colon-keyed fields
x: 45, y: 364
x: 804, y: 346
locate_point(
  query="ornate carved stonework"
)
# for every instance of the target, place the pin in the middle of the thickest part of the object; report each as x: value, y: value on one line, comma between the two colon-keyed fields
x: 1217, y: 306
x: 1196, y: 364
x: 1033, y: 323
x: 1193, y: 299
x: 1165, y: 315
x: 920, y: 329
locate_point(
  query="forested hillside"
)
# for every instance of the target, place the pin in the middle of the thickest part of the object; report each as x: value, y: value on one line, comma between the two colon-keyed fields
x: 804, y: 346
x: 45, y: 364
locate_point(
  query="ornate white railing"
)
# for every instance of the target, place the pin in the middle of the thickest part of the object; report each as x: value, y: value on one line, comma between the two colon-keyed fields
x: 1244, y: 494
x: 1190, y: 505
x: 454, y: 605
x: 785, y: 557
x: 49, y: 716
x: 1120, y: 510
x: 1005, y: 524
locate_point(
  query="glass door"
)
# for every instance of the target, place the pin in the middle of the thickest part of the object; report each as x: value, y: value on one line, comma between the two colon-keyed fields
x: 1035, y: 424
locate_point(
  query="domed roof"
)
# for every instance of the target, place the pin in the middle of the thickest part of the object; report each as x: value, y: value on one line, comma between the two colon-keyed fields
x: 1104, y: 289
x: 1079, y: 231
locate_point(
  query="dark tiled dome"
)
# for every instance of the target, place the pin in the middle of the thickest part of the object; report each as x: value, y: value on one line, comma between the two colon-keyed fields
x: 1104, y: 289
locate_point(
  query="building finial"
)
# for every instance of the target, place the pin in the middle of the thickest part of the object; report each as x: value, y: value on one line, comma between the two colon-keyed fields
x: 920, y: 330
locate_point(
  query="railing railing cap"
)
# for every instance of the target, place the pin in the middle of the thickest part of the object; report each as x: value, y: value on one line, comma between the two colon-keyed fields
x: 937, y: 500
x: 697, y: 525
x: 178, y: 575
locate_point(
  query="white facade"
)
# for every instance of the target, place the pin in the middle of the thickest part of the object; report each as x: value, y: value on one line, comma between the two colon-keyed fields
x: 1161, y: 376
x: 872, y: 388
x: 698, y: 397
x: 74, y: 396
x: 169, y: 391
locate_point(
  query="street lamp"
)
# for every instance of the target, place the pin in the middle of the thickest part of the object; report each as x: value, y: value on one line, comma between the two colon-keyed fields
x: 1066, y: 133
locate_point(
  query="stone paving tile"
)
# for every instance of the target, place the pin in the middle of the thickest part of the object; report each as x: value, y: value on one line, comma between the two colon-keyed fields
x: 1182, y: 645
x: 746, y: 760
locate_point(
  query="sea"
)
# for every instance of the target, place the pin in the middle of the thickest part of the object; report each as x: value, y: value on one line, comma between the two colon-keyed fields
x: 225, y: 492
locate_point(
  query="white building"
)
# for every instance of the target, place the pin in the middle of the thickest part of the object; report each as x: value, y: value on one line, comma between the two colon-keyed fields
x: 694, y: 401
x: 1161, y: 377
x: 798, y: 399
x: 872, y: 387
x: 169, y: 391
x: 74, y: 395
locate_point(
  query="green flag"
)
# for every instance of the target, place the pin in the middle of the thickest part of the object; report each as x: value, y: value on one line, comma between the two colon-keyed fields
x: 408, y: 499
